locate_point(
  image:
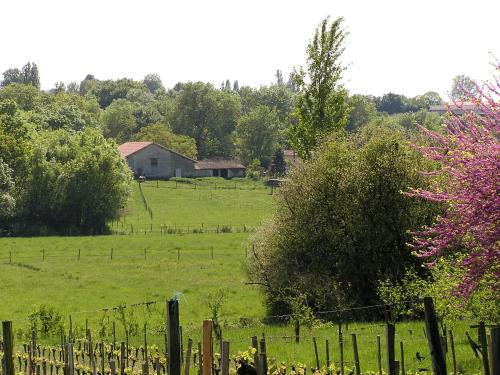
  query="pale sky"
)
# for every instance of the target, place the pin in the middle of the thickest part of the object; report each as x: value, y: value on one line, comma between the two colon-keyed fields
x: 407, y: 47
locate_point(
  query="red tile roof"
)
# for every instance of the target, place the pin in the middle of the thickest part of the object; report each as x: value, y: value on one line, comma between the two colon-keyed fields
x: 130, y: 148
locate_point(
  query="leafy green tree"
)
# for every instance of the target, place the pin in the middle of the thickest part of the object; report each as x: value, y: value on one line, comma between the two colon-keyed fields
x: 279, y: 78
x: 153, y: 82
x: 363, y: 110
x: 342, y: 223
x: 321, y: 101
x: 463, y: 88
x: 28, y: 75
x: 109, y: 90
x: 26, y: 97
x: 119, y: 120
x: 7, y: 200
x: 207, y: 115
x: 162, y: 135
x: 77, y: 180
x: 256, y: 135
x: 236, y: 86
x: 10, y: 76
x: 426, y: 100
x: 15, y: 140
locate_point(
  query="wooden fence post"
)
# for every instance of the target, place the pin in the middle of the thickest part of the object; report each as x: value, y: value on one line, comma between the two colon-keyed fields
x: 356, y: 354
x: 8, y: 347
x: 341, y: 348
x: 434, y: 338
x: 379, y: 355
x: 484, y: 347
x: 255, y: 345
x: 402, y: 362
x: 174, y: 345
x: 327, y: 348
x: 390, y: 333
x: 225, y: 358
x: 495, y: 349
x: 123, y: 355
x: 297, y: 330
x: 207, y: 347
x: 188, y: 357
x: 316, y: 352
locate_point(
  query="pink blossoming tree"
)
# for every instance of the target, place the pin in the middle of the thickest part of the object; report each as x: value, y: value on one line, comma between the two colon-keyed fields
x: 468, y: 184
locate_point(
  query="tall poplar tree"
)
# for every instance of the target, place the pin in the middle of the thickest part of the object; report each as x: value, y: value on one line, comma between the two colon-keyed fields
x: 321, y: 106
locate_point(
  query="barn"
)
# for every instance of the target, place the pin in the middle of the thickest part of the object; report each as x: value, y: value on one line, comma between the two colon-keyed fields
x: 219, y: 167
x: 152, y: 160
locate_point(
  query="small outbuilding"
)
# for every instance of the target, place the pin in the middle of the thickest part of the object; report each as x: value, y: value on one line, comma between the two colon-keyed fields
x: 219, y: 167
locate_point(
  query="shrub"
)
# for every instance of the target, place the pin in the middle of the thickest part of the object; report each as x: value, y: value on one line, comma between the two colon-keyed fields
x: 342, y: 223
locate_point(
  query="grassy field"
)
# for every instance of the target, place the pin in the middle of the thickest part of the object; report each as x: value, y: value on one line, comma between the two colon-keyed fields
x: 82, y: 276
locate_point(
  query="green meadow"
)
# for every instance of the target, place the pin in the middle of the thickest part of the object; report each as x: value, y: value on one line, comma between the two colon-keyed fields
x: 92, y: 278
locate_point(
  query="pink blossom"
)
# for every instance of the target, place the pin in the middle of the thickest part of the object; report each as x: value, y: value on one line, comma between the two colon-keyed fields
x: 469, y: 154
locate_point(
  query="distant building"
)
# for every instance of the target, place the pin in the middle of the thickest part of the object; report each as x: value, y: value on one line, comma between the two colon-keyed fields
x: 152, y: 160
x: 219, y: 168
x: 457, y: 108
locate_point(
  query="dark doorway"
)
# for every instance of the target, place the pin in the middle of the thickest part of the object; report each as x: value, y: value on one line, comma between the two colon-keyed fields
x: 223, y: 173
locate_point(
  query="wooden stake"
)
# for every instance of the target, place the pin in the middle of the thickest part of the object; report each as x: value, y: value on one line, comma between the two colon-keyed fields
x: 434, y: 338
x: 8, y: 347
x: 207, y: 347
x: 390, y: 332
x: 174, y: 346
x: 341, y: 347
x: 402, y: 362
x: 316, y: 352
x: 356, y: 355
x: 484, y: 348
x: 379, y: 356
x: 225, y: 358
x: 188, y: 357
x: 495, y: 349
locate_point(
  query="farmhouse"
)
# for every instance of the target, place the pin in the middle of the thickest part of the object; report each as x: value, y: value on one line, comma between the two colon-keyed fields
x: 152, y: 160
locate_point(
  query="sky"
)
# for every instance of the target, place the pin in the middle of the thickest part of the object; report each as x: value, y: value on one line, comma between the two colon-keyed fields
x: 406, y: 47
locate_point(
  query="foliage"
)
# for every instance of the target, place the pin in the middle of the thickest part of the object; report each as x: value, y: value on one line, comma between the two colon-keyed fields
x: 320, y: 106
x: 207, y: 115
x: 76, y: 180
x: 254, y: 170
x: 341, y: 223
x: 469, y: 151
x: 108, y: 91
x: 153, y: 82
x: 28, y: 75
x: 405, y: 295
x: 15, y: 140
x: 162, y: 135
x: 256, y: 135
x: 7, y: 200
x: 46, y: 320
x: 363, y: 111
x: 215, y: 302
x: 119, y: 121
x: 464, y: 88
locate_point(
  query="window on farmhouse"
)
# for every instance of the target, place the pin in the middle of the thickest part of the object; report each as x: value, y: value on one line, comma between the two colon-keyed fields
x: 154, y: 162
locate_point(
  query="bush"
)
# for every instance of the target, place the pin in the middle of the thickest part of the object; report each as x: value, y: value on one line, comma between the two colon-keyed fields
x: 342, y: 224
